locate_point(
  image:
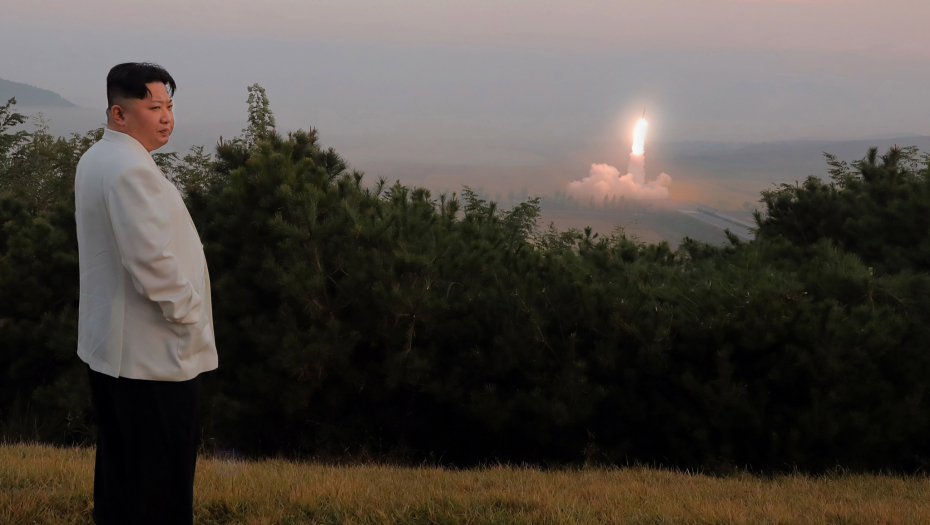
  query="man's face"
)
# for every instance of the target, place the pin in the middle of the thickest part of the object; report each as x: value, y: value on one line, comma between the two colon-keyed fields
x: 150, y: 120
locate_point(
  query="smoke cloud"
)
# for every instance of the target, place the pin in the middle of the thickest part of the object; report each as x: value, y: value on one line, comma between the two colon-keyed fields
x: 605, y: 180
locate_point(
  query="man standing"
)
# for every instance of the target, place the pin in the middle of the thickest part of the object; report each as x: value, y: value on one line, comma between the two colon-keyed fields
x: 145, y: 324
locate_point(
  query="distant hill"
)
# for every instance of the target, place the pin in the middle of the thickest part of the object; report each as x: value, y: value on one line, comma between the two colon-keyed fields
x: 27, y: 95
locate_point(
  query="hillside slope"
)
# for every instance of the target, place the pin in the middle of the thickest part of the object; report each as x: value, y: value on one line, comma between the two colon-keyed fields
x: 27, y: 95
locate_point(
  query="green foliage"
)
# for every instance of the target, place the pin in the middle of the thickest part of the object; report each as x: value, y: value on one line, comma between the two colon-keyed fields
x: 9, y: 142
x: 196, y: 170
x: 877, y: 208
x: 381, y: 317
x: 261, y: 119
x: 43, y: 391
x: 448, y: 329
x: 38, y: 167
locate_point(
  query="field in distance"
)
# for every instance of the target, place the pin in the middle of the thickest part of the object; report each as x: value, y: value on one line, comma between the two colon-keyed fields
x: 53, y: 486
x: 656, y: 221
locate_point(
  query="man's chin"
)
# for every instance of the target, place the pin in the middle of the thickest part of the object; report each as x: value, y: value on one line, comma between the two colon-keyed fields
x: 160, y: 142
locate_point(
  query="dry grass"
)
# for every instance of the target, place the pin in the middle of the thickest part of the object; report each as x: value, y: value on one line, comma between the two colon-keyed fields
x: 45, y: 485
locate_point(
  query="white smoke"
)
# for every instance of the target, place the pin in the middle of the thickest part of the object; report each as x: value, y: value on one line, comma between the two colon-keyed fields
x: 605, y: 181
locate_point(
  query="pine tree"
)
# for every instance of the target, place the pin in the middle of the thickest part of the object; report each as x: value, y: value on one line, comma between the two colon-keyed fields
x: 877, y: 208
x: 383, y: 318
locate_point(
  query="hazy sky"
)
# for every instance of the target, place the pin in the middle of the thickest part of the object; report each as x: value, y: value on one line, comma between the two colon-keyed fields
x: 504, y: 81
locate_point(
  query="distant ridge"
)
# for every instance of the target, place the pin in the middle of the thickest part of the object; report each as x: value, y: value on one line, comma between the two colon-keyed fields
x: 27, y: 95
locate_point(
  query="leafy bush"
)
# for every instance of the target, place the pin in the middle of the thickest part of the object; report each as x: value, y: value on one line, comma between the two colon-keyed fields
x: 878, y: 210
x: 43, y: 393
x: 385, y: 320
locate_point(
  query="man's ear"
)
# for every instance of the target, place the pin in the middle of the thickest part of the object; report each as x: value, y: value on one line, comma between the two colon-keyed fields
x: 116, y: 114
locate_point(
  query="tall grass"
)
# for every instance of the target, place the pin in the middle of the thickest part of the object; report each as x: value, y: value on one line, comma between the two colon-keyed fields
x: 46, y: 485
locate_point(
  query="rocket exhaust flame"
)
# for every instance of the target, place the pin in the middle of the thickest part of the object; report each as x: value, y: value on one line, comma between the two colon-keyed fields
x: 604, y: 181
x: 639, y: 137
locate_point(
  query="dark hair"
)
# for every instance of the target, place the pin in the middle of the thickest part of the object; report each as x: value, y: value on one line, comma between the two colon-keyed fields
x: 129, y: 81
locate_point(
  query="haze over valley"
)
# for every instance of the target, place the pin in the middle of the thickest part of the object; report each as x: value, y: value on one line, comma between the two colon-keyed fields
x: 733, y: 107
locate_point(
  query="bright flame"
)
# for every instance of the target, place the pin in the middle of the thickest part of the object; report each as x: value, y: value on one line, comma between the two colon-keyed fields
x: 639, y: 137
x: 605, y: 184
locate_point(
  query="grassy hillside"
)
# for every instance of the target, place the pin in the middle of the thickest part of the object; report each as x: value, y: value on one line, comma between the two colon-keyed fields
x: 45, y: 485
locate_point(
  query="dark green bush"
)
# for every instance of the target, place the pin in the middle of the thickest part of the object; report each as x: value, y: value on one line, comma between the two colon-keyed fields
x: 877, y: 208
x: 385, y: 320
x: 42, y: 392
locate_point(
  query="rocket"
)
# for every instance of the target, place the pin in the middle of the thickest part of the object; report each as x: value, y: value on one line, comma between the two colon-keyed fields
x: 644, y: 112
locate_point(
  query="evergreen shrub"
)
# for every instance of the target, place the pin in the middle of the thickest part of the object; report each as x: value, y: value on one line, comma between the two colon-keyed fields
x: 380, y: 319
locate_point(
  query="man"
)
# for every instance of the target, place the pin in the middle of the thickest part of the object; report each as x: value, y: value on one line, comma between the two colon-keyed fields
x: 145, y: 324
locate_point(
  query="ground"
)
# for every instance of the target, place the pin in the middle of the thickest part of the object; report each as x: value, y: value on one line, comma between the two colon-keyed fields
x: 46, y: 485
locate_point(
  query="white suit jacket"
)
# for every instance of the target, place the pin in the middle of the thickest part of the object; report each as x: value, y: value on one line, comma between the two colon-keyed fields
x: 145, y: 308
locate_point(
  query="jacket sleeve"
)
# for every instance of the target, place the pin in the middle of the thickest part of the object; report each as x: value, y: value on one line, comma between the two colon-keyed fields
x: 137, y: 203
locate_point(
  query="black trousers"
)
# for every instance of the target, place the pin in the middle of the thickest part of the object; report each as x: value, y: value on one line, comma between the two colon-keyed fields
x: 148, y: 433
